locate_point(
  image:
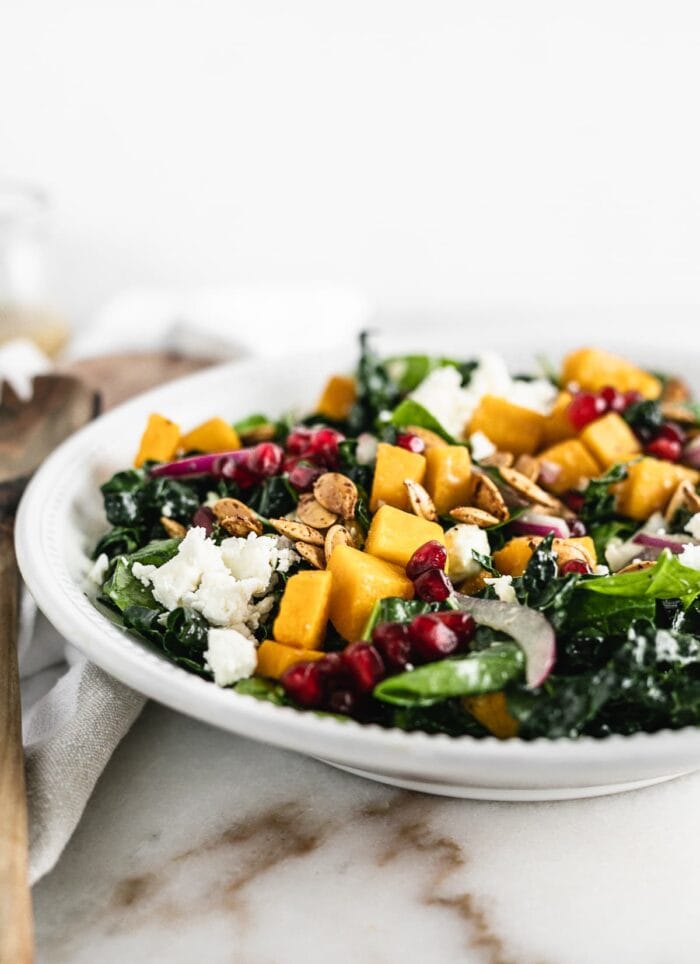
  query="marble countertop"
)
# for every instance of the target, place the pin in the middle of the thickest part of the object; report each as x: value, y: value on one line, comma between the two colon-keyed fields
x: 199, y: 846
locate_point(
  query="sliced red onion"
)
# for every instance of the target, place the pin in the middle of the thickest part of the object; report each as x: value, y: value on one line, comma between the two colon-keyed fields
x: 691, y: 453
x: 533, y: 633
x: 549, y: 472
x: 538, y: 524
x: 215, y: 464
x: 673, y: 543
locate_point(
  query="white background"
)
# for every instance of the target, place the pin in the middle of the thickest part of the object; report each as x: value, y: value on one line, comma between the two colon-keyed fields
x: 436, y: 153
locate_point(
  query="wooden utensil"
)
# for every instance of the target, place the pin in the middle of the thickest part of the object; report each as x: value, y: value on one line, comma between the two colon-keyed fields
x: 29, y: 430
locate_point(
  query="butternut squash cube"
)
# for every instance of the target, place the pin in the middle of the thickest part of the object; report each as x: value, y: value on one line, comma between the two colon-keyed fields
x: 304, y: 610
x: 447, y: 476
x: 512, y: 559
x: 359, y: 580
x: 159, y: 441
x: 274, y: 658
x: 557, y: 425
x: 610, y: 439
x: 395, y: 535
x: 576, y: 465
x: 337, y: 397
x: 511, y: 428
x: 216, y: 435
x: 393, y: 466
x: 649, y: 485
x: 491, y: 710
x: 593, y: 369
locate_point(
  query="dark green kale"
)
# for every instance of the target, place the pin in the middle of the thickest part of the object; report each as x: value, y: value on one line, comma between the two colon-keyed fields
x: 181, y: 634
x: 644, y: 418
x: 598, y: 501
x: 376, y: 391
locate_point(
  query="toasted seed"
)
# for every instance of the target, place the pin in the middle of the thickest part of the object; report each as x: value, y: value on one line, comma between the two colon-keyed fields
x: 431, y: 439
x: 297, y: 531
x: 675, y: 412
x: 260, y: 433
x: 675, y: 390
x: 473, y: 516
x: 312, y: 554
x: 337, y: 493
x: 637, y: 566
x: 241, y: 526
x: 421, y: 503
x: 486, y: 496
x: 527, y: 466
x: 337, y: 536
x: 498, y: 459
x: 685, y: 497
x: 174, y: 529
x: 313, y: 513
x: 524, y: 486
x: 236, y: 517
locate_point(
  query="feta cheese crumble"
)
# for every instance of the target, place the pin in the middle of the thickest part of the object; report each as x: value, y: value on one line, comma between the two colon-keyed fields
x: 481, y: 446
x: 690, y: 557
x: 442, y: 394
x: 503, y: 585
x: 98, y: 571
x: 230, y: 656
x: 460, y: 540
x: 693, y: 526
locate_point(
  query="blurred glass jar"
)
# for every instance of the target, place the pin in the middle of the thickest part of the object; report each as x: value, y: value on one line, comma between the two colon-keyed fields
x: 26, y: 306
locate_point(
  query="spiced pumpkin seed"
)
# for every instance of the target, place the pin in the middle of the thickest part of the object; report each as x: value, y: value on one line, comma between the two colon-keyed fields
x: 297, y: 531
x: 314, y: 555
x: 528, y: 466
x: 486, y: 496
x: 421, y: 503
x: 473, y: 516
x: 241, y: 526
x: 174, y: 529
x: 498, y: 459
x: 337, y: 493
x: 526, y: 487
x: 337, y: 535
x: 310, y: 511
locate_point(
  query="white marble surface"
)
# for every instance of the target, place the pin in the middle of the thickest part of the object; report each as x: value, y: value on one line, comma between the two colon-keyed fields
x: 198, y: 846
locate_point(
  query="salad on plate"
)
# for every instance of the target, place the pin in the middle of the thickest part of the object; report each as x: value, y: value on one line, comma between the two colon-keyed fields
x: 440, y: 545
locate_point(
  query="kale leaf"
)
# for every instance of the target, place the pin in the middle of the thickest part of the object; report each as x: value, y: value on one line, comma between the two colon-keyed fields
x: 598, y: 500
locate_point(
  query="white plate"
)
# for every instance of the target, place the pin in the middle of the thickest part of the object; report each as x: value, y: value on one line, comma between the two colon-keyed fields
x: 61, y: 516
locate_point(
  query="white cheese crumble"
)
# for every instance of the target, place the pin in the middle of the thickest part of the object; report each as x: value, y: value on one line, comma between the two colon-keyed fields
x: 442, y: 394
x: 481, y: 446
x: 366, y: 451
x: 504, y: 588
x: 230, y: 656
x: 98, y: 570
x: 460, y: 540
x: 693, y: 526
x: 224, y: 582
x: 690, y: 557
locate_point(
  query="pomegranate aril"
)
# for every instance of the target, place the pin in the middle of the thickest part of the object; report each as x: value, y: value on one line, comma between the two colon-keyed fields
x: 431, y: 555
x: 461, y: 624
x: 431, y: 638
x: 665, y: 448
x: 573, y: 565
x: 302, y: 476
x: 298, y: 441
x: 577, y: 528
x: 632, y: 397
x: 574, y: 500
x: 331, y: 668
x: 585, y: 408
x: 342, y: 701
x: 413, y: 443
x: 324, y: 446
x: 364, y: 666
x: 614, y: 400
x: 239, y: 473
x: 265, y: 459
x: 304, y: 683
x: 672, y: 431
x: 391, y: 639
x: 432, y: 586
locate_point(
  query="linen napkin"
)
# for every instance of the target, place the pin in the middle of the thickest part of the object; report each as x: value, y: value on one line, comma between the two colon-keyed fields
x: 74, y: 714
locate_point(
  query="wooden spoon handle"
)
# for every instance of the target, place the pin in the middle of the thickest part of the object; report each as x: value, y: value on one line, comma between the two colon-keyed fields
x: 16, y: 940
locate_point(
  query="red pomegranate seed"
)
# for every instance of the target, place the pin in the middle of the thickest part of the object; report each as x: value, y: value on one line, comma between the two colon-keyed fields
x: 672, y: 431
x: 239, y: 473
x: 461, y: 624
x: 342, y: 701
x: 324, y: 446
x: 665, y: 448
x: 573, y: 565
x: 585, y: 408
x: 204, y: 518
x: 614, y: 400
x: 632, y: 398
x: 432, y: 586
x: 431, y: 638
x: 303, y: 475
x: 299, y: 441
x: 411, y: 442
x: 304, y: 683
x: 331, y: 668
x: 364, y: 666
x: 391, y: 639
x: 574, y: 500
x: 431, y: 555
x: 265, y: 459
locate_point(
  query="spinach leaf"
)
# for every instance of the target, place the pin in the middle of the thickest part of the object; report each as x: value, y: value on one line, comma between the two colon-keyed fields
x: 262, y: 689
x: 119, y: 541
x: 480, y: 672
x: 393, y: 609
x: 604, y: 616
x: 668, y: 579
x: 409, y: 412
x: 598, y: 500
x: 122, y: 589
x: 246, y: 425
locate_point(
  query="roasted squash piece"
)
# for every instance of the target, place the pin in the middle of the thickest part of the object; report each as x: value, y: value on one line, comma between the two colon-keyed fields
x: 216, y: 435
x: 510, y: 427
x: 593, y: 369
x: 649, y: 485
x: 512, y: 559
x: 576, y: 465
x: 159, y: 441
x: 359, y: 580
x: 395, y: 535
x: 447, y: 476
x: 337, y: 397
x: 557, y: 425
x: 304, y: 610
x: 274, y: 658
x: 610, y: 439
x: 393, y: 466
x: 491, y: 710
